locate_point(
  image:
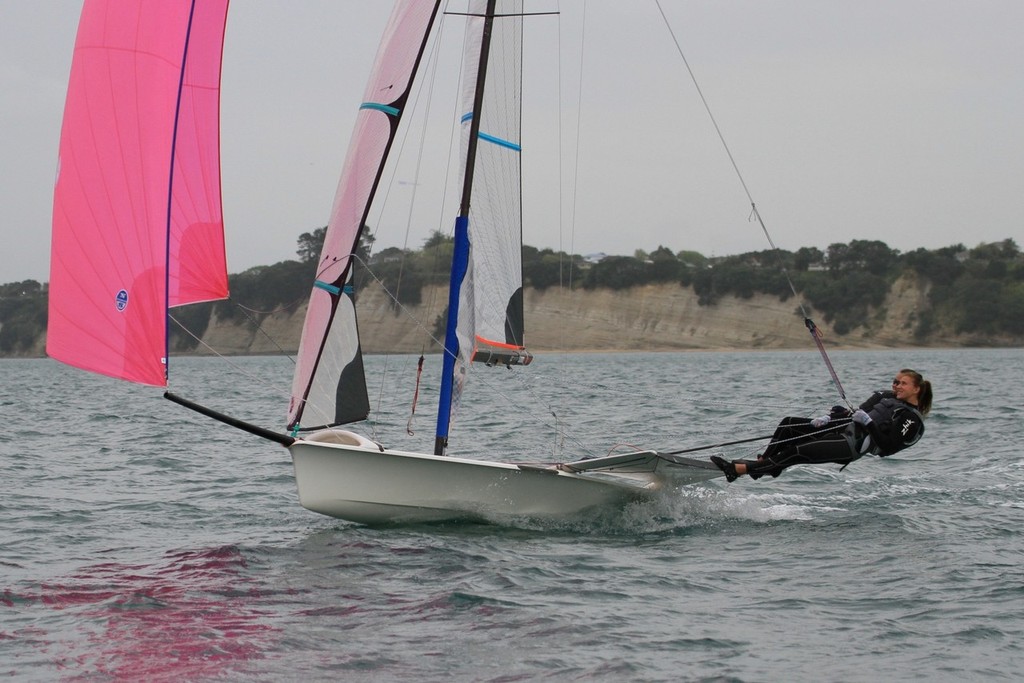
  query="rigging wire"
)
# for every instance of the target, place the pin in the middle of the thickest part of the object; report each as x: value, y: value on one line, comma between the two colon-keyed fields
x: 811, y: 327
x: 576, y: 143
x: 829, y: 428
x: 258, y: 379
x: 256, y: 324
x: 564, y: 277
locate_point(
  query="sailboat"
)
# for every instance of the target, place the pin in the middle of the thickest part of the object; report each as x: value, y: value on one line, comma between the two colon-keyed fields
x: 138, y: 228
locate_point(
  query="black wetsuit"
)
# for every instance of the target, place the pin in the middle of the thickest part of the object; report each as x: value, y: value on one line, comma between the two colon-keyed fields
x: 894, y: 425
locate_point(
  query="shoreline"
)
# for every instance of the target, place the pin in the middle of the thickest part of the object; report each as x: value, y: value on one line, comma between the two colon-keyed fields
x: 599, y: 351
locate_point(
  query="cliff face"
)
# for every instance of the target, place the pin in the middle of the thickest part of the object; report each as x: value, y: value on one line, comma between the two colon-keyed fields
x: 650, y: 318
x: 653, y: 317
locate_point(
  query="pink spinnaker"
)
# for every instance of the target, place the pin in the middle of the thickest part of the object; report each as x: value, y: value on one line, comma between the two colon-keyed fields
x: 137, y: 221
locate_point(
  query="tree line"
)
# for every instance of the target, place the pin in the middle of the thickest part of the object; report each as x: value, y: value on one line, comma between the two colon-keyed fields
x: 976, y: 290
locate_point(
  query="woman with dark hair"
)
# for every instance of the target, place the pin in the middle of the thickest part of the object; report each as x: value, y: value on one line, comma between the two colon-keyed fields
x: 887, y: 422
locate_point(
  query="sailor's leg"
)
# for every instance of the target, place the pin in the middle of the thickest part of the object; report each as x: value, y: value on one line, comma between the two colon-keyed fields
x: 789, y: 429
x: 828, y: 448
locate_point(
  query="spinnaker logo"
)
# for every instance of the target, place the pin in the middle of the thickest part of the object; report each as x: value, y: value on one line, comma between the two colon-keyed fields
x: 121, y: 300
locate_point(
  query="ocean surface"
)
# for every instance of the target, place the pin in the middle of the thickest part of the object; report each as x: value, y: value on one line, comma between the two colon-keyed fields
x: 142, y: 542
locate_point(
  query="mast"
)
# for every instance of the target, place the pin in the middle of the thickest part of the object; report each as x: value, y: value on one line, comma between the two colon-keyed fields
x: 460, y: 255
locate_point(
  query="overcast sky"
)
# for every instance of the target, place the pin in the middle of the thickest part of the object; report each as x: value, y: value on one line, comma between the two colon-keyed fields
x: 895, y: 120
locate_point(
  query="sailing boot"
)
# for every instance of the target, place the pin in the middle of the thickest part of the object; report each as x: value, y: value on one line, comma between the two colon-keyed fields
x: 727, y: 467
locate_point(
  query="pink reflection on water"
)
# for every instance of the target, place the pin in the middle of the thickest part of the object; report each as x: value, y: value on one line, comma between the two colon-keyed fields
x: 188, y: 617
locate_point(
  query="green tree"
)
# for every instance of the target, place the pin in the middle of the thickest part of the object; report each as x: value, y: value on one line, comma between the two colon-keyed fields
x: 1011, y: 308
x: 436, y: 239
x: 23, y: 289
x: 939, y: 265
x: 870, y: 255
x: 1006, y: 250
x: 806, y: 257
x: 616, y: 272
x: 665, y: 265
x: 311, y: 244
x: 23, y: 315
x: 692, y: 259
x: 544, y: 268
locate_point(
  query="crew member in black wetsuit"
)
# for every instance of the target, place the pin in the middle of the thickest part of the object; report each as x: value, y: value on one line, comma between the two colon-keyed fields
x: 887, y: 422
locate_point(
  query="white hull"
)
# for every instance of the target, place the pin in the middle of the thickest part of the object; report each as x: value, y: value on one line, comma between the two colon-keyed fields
x: 343, y: 475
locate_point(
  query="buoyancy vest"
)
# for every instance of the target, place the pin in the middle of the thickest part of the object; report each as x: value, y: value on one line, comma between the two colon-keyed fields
x: 895, y: 425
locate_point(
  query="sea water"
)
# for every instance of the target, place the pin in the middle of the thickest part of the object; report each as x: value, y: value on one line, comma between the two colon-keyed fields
x: 143, y: 542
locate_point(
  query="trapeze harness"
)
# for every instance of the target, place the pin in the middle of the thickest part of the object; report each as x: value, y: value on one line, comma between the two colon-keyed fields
x: 894, y: 425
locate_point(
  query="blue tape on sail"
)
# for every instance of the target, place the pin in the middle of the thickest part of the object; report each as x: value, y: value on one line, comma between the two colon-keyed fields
x: 508, y: 144
x: 498, y: 141
x: 333, y: 289
x: 377, y: 106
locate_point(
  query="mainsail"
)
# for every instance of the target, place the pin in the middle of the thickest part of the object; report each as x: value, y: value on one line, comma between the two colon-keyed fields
x: 137, y: 223
x: 491, y: 309
x: 329, y: 386
x: 486, y: 302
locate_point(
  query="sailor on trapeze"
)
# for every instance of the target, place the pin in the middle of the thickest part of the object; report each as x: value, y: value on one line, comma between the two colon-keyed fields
x: 887, y: 422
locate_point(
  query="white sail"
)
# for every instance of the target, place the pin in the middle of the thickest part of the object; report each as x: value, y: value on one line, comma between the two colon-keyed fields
x: 490, y: 323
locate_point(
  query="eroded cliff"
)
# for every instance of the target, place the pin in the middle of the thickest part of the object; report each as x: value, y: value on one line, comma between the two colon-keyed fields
x: 652, y: 317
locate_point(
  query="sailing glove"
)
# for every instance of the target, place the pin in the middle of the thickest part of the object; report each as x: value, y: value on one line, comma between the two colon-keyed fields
x: 838, y: 413
x: 861, y: 418
x: 819, y: 422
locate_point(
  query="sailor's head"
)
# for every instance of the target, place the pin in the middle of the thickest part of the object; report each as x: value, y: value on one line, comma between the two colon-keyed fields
x: 910, y: 386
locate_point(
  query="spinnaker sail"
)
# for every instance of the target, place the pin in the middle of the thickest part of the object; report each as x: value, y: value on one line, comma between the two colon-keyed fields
x: 137, y: 222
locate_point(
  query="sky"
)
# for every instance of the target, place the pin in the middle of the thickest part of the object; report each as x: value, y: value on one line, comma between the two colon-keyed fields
x: 892, y: 120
